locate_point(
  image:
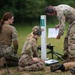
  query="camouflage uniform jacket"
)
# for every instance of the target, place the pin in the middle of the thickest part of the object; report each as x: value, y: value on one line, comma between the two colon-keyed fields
x: 8, y: 34
x: 30, y: 46
x: 65, y: 13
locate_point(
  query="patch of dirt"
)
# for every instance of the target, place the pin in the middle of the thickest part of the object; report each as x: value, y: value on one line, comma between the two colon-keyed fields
x: 13, y: 71
x: 1, y: 71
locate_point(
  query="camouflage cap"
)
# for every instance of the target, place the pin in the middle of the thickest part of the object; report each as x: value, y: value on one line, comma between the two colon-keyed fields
x: 49, y: 9
x: 37, y: 30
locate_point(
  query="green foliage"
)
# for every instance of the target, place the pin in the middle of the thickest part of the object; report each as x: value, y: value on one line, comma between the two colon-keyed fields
x: 34, y: 7
x: 23, y: 9
x: 7, y: 5
x: 29, y: 10
x: 57, y: 2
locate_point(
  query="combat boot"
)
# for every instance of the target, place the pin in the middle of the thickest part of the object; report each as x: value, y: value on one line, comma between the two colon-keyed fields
x: 72, y: 71
x: 57, y: 67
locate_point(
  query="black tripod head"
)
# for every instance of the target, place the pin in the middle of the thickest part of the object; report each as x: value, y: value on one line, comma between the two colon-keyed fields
x: 49, y: 46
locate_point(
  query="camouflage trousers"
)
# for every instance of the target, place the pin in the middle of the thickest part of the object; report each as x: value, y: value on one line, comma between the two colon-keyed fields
x: 27, y: 64
x: 69, y: 65
x: 7, y: 56
x: 69, y: 43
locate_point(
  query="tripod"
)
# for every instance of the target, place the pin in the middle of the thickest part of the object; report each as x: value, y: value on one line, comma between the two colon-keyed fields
x: 51, y: 48
x: 3, y: 55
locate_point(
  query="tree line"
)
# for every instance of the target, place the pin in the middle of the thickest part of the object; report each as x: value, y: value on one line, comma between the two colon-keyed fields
x: 25, y: 10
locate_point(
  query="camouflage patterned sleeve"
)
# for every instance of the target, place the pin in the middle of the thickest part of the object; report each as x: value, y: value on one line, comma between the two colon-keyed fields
x: 34, y: 48
x: 61, y: 19
x: 27, y: 47
x: 14, y: 34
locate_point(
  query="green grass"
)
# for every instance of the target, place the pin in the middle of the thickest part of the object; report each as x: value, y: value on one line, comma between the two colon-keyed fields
x: 23, y: 30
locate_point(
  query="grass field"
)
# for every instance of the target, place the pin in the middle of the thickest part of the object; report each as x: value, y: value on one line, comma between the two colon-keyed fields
x: 23, y: 31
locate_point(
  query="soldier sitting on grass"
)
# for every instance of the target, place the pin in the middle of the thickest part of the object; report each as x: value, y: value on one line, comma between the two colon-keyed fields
x: 29, y: 60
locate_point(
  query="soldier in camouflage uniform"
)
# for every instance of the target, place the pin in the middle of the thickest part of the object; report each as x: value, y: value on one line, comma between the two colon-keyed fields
x: 8, y: 35
x: 65, y: 13
x: 29, y: 60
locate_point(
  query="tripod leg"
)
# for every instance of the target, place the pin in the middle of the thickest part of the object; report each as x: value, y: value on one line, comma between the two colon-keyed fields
x: 58, y: 55
x: 52, y: 53
x: 4, y: 63
x: 7, y: 67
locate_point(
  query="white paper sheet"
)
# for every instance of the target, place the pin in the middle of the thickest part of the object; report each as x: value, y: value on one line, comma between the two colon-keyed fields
x: 53, y: 32
x: 51, y: 61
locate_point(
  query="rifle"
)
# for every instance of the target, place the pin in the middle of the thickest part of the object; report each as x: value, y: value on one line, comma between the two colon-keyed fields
x: 3, y: 55
x: 51, y: 48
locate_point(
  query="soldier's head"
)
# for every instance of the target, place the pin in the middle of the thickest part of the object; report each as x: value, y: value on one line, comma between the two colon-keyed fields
x: 50, y: 10
x: 37, y: 31
x: 7, y: 18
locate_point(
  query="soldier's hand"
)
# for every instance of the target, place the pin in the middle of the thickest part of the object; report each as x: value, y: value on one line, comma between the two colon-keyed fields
x: 35, y: 59
x: 39, y: 47
x: 57, y: 26
x: 58, y: 37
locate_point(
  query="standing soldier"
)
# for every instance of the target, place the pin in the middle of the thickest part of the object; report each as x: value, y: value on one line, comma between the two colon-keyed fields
x: 65, y: 13
x: 29, y: 60
x: 8, y: 36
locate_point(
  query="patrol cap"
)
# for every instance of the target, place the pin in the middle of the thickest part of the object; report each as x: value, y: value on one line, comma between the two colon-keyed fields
x: 49, y: 9
x: 37, y: 30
